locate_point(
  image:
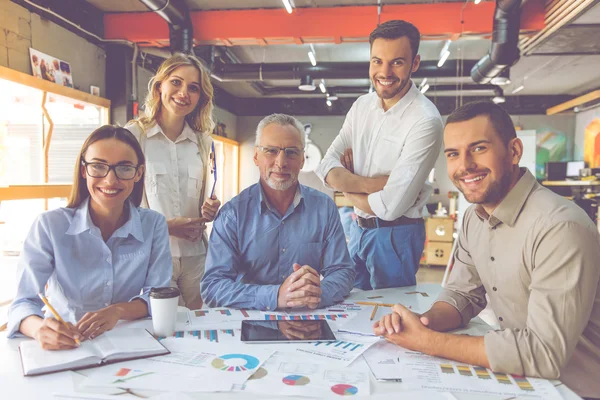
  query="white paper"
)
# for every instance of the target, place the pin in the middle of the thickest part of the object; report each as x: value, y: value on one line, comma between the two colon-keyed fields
x: 362, y: 324
x: 218, y: 315
x: 341, y: 352
x: 293, y: 375
x: 420, y: 371
x: 192, y: 366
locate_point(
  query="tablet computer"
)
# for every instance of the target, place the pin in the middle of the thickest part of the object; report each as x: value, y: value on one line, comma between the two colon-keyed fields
x: 286, y: 331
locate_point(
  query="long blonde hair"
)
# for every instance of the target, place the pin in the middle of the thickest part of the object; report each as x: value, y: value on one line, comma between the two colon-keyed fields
x: 200, y: 119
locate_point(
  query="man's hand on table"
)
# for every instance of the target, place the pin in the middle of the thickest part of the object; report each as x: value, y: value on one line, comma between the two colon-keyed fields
x: 404, y: 328
x: 301, y: 289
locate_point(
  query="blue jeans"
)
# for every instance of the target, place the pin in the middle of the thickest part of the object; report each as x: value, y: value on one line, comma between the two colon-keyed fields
x: 386, y: 257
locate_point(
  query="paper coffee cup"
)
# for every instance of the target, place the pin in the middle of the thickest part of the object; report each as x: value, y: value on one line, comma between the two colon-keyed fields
x: 163, y: 302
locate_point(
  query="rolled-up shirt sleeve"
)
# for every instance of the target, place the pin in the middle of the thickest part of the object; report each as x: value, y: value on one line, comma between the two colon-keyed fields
x: 338, y: 270
x: 36, y: 265
x: 160, y: 268
x: 418, y: 157
x: 563, y: 288
x: 219, y: 286
x: 464, y: 289
x: 342, y: 142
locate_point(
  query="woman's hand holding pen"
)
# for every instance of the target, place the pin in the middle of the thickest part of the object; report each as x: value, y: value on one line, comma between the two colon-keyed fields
x: 51, y: 333
x: 210, y: 208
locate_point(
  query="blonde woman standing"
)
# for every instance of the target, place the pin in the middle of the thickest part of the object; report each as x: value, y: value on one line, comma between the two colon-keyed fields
x: 175, y: 137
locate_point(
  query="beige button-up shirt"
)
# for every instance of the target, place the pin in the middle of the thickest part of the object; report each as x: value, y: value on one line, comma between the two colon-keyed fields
x: 173, y: 182
x: 537, y: 256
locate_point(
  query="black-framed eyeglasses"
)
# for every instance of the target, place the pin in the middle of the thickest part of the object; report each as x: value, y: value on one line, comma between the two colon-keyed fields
x: 273, y: 151
x: 101, y: 170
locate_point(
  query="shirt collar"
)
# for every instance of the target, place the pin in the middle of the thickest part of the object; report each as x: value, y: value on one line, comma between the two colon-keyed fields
x: 402, y: 104
x: 264, y: 204
x: 82, y: 222
x: 511, y: 206
x: 187, y: 133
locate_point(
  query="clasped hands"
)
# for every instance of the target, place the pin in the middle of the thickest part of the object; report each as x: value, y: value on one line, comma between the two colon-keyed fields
x: 301, y: 289
x: 404, y: 328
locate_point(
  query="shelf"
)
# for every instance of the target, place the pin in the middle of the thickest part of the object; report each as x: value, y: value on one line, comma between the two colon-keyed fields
x: 571, y: 183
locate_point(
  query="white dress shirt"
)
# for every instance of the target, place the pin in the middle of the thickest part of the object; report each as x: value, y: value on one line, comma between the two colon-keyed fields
x: 403, y: 142
x: 173, y: 183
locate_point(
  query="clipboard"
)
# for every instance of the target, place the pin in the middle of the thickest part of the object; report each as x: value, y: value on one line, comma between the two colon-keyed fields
x: 213, y: 169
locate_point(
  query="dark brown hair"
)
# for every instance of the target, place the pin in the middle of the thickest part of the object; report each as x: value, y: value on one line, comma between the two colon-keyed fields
x: 396, y: 29
x: 79, y: 191
x: 501, y: 121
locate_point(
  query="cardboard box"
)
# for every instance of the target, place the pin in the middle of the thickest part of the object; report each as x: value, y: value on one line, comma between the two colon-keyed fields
x: 439, y: 229
x: 437, y: 253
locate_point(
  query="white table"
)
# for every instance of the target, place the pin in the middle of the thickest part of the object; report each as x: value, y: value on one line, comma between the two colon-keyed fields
x: 13, y: 385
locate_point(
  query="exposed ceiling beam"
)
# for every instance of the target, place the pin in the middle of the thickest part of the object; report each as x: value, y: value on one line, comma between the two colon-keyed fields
x: 317, y: 25
x: 329, y: 70
x: 581, y: 100
x: 360, y: 90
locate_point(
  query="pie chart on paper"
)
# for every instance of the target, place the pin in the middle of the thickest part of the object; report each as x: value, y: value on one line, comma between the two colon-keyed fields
x: 296, y: 380
x: 344, y: 390
x: 235, y: 362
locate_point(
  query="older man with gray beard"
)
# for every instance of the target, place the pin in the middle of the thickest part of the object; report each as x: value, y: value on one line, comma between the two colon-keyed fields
x: 271, y: 244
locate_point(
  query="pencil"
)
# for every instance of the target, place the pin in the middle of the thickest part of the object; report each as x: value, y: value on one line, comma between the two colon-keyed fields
x: 374, y: 312
x: 56, y: 314
x: 372, y: 303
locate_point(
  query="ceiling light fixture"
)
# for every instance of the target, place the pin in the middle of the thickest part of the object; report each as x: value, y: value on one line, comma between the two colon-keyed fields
x: 287, y: 5
x: 425, y: 88
x: 477, y: 1
x: 329, y: 103
x: 423, y: 83
x: 517, y: 90
x: 499, y: 96
x: 322, y: 86
x: 332, y: 97
x: 312, y: 55
x: 502, y: 79
x: 444, y: 54
x: 306, y: 84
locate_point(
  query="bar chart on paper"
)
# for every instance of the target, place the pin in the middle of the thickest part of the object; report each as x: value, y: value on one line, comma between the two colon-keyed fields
x: 218, y: 315
x: 211, y: 335
x: 426, y: 372
x: 304, y: 317
x: 344, y: 350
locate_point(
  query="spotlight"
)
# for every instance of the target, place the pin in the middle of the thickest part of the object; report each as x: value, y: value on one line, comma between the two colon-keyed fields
x: 306, y: 84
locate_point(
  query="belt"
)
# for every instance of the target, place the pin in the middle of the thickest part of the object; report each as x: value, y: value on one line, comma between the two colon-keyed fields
x: 372, y: 223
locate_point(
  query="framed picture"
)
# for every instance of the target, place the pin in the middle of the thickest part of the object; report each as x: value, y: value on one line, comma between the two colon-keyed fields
x: 50, y: 68
x: 94, y: 90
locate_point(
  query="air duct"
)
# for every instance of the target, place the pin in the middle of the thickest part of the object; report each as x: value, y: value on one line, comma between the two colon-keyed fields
x: 505, y: 50
x: 177, y: 15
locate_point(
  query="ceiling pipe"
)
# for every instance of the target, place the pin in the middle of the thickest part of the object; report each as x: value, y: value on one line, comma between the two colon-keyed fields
x: 504, y: 51
x: 177, y: 15
x: 359, y: 90
x: 331, y: 70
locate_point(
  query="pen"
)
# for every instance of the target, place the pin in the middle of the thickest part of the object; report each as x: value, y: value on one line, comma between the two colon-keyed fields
x: 56, y: 315
x: 374, y: 312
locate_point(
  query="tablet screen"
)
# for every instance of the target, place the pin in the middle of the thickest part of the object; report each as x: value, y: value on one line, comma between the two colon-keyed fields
x: 286, y: 331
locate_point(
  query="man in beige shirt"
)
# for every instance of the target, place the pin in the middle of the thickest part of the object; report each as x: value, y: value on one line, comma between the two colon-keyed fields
x: 534, y: 253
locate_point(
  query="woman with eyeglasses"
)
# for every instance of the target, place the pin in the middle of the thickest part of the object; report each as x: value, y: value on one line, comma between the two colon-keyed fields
x: 98, y: 257
x: 175, y: 136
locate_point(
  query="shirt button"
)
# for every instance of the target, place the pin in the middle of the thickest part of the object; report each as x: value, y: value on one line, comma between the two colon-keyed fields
x: 282, y: 222
x: 107, y: 283
x: 492, y: 258
x: 494, y: 289
x: 107, y: 304
x: 500, y: 319
x: 283, y: 250
x: 268, y: 308
x: 108, y: 260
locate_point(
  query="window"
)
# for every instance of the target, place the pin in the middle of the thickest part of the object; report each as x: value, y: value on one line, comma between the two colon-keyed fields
x: 42, y: 128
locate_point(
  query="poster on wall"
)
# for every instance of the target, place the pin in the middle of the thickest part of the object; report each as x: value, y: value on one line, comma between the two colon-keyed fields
x: 50, y: 68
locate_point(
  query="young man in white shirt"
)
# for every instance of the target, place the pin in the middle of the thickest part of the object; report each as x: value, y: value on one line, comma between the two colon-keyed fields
x: 381, y: 159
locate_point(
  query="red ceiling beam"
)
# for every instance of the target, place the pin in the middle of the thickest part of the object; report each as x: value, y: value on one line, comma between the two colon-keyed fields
x: 306, y: 25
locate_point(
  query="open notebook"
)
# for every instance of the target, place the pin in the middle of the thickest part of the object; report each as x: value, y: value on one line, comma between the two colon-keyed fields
x: 112, y: 346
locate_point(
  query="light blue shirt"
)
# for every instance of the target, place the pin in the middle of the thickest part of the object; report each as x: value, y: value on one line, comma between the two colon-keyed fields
x: 84, y: 274
x: 252, y: 250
